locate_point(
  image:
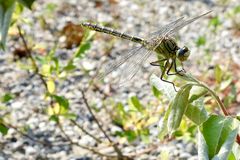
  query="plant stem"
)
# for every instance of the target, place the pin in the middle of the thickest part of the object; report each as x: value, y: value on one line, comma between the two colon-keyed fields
x: 85, y: 131
x: 29, y: 53
x: 25, y: 135
x: 84, y: 147
x: 117, y: 150
x: 220, y: 103
x: 201, y: 84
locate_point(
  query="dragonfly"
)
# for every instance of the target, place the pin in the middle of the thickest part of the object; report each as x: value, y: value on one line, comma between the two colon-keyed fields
x: 160, y: 42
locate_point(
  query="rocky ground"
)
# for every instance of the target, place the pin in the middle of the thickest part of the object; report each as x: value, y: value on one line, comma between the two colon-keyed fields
x: 136, y: 17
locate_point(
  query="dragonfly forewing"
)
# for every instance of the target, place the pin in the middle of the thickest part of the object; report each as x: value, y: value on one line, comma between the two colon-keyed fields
x: 110, y: 67
x: 183, y: 23
x: 165, y: 28
x: 131, y: 67
x: 175, y: 26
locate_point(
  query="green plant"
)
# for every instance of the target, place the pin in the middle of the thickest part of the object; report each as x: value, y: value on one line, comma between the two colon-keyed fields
x: 6, y: 11
x: 134, y: 119
x: 215, y: 23
x: 217, y: 133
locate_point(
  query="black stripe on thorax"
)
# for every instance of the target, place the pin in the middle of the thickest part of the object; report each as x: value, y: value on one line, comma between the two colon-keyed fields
x: 170, y: 47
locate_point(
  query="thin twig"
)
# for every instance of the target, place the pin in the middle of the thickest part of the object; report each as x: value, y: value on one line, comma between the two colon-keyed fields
x: 34, y: 64
x: 117, y: 150
x: 26, y: 135
x: 84, y: 147
x: 147, y: 150
x: 85, y: 131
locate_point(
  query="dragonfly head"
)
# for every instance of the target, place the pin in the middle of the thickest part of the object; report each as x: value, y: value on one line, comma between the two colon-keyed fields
x: 183, y: 53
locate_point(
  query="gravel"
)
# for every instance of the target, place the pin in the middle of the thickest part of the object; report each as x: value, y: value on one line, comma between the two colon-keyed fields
x: 28, y: 108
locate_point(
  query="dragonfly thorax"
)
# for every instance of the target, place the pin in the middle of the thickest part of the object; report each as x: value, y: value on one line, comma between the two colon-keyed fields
x: 167, y: 47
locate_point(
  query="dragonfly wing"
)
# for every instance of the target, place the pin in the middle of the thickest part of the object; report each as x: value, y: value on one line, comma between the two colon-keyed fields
x: 118, y: 63
x: 132, y: 66
x: 183, y: 23
x: 165, y: 28
x: 175, y: 26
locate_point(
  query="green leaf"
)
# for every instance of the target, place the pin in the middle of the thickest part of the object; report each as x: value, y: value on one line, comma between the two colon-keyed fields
x: 144, y: 134
x: 56, y: 109
x: 131, y: 135
x: 164, y: 87
x: 216, y: 131
x: 215, y: 22
x: 196, y: 112
x: 232, y: 156
x: 7, y: 97
x: 201, y: 41
x: 135, y: 104
x: 70, y: 66
x: 82, y: 49
x: 6, y: 10
x: 163, y: 129
x: 54, y: 118
x: 3, y: 129
x: 46, y: 70
x: 226, y: 148
x: 71, y: 116
x: 235, y: 152
x: 85, y: 45
x: 156, y: 92
x: 122, y: 115
x: 218, y: 73
x: 62, y: 101
x: 196, y: 92
x: 225, y: 83
x: 51, y: 86
x: 202, y: 147
x: 120, y: 108
x: 179, y: 106
x: 26, y: 3
x: 56, y: 62
x: 17, y: 13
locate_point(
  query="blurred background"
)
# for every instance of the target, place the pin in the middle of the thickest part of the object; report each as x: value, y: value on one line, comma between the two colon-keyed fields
x: 129, y: 114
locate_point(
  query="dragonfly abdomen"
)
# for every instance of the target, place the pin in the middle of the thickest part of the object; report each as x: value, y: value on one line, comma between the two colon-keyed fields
x: 113, y: 32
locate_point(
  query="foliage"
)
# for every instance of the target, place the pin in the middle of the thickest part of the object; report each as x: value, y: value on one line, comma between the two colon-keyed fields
x: 6, y: 11
x: 216, y: 133
x: 186, y: 112
x: 135, y: 120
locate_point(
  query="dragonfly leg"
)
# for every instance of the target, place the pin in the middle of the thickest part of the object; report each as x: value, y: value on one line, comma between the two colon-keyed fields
x: 163, y: 72
x: 178, y: 72
x: 171, y: 65
x: 156, y: 63
x: 175, y: 68
x: 183, y: 70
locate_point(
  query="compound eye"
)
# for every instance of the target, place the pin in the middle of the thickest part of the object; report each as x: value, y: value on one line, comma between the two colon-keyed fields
x: 186, y: 51
x: 183, y: 53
